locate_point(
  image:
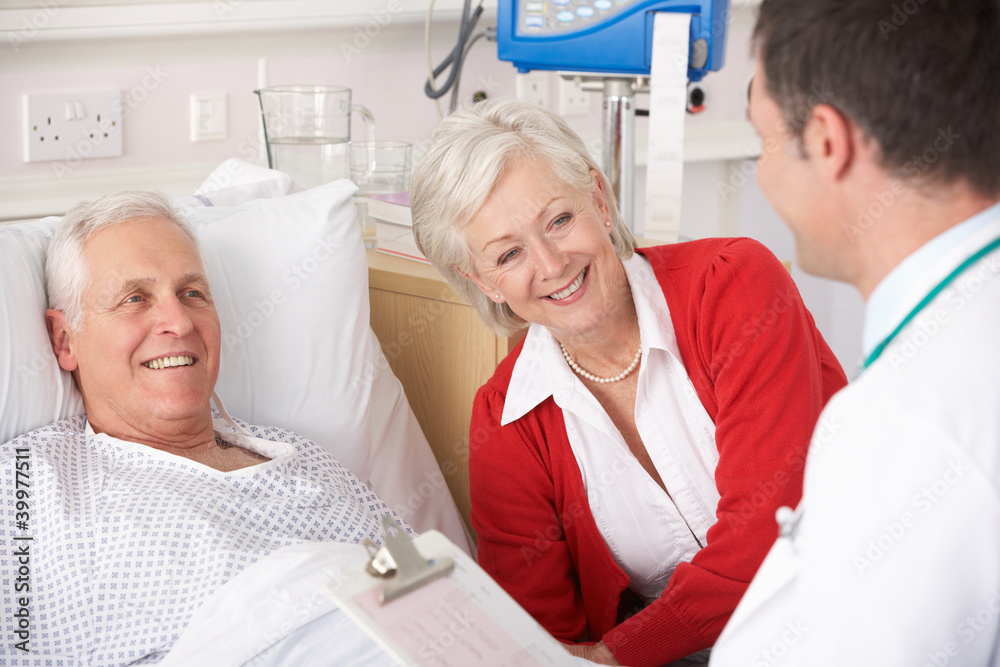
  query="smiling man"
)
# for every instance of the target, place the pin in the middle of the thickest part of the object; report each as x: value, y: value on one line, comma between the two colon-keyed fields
x: 143, y: 343
x: 882, y: 154
x: 149, y: 504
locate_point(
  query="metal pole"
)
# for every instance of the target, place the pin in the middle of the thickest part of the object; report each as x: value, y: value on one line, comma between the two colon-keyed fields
x: 619, y: 144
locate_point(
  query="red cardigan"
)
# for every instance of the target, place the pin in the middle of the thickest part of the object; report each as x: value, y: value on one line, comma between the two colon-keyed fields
x: 763, y: 373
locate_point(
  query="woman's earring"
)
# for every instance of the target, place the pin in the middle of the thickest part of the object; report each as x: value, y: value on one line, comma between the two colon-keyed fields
x: 607, y: 223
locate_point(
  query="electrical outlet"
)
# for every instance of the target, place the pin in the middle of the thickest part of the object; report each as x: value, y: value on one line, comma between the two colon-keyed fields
x: 72, y: 126
x: 534, y: 87
x: 573, y: 99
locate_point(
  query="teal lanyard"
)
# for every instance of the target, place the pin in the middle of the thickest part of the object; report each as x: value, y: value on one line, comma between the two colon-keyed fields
x: 930, y: 297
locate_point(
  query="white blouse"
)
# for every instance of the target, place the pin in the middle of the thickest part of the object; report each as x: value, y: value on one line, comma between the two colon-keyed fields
x: 647, y: 531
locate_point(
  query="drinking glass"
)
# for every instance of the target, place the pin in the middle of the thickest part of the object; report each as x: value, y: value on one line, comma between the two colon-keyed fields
x: 379, y: 167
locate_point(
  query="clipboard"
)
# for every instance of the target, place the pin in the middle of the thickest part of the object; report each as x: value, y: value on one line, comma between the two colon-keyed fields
x: 428, y: 604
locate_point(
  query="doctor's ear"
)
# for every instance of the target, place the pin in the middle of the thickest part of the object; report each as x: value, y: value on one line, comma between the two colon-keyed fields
x: 61, y: 335
x: 832, y: 140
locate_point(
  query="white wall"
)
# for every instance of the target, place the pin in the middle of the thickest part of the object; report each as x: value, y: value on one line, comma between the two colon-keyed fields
x: 159, y: 71
x: 157, y: 75
x: 836, y: 307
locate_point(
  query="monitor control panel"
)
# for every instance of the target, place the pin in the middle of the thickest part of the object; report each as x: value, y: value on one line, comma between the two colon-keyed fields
x: 552, y: 17
x: 605, y: 36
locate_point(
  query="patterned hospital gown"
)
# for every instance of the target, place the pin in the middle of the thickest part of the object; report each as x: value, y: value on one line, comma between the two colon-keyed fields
x: 116, y: 544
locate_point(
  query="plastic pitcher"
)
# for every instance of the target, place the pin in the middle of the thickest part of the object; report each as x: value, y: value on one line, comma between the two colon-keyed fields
x: 307, y: 129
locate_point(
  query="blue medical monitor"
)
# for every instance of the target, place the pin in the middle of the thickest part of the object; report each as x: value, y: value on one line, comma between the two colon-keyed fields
x: 605, y: 36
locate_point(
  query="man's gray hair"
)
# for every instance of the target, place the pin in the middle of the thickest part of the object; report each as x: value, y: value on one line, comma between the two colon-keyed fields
x: 66, y: 278
x: 471, y: 151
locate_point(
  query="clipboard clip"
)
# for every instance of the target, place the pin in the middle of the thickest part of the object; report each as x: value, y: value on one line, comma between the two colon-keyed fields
x: 399, y: 561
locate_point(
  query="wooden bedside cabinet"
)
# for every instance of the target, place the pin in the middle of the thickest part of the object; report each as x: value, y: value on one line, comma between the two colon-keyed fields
x: 441, y: 352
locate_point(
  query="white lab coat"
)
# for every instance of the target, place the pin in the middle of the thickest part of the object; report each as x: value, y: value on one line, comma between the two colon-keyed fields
x: 893, y: 558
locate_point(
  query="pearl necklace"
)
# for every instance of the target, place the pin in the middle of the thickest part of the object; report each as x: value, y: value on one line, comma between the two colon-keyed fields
x: 593, y: 378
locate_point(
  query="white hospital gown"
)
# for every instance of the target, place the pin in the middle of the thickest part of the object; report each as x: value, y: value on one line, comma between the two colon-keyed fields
x: 127, y: 541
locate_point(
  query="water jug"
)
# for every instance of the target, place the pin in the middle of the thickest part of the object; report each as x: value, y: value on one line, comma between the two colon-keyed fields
x: 307, y: 129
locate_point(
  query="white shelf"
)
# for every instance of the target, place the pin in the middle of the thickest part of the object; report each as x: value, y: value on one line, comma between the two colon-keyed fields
x: 720, y: 141
x: 144, y: 19
x: 702, y: 142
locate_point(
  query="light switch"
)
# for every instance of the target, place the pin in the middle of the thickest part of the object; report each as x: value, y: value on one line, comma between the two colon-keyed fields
x: 208, y: 116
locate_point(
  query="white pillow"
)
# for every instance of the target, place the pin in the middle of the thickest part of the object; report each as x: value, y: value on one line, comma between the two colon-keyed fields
x: 34, y: 391
x: 404, y: 471
x: 290, y: 280
x: 235, y: 182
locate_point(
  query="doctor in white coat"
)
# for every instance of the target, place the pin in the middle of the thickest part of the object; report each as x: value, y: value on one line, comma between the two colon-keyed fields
x: 882, y: 152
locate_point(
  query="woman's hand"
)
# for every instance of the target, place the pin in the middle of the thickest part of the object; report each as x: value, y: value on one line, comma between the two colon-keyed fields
x: 598, y: 653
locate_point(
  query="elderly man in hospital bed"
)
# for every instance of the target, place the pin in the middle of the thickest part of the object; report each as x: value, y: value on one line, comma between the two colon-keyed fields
x: 149, y: 504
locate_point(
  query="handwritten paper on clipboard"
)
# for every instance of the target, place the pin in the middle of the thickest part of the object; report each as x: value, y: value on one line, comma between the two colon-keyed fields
x: 454, y: 621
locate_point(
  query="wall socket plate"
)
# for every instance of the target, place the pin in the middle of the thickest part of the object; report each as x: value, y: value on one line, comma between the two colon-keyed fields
x: 534, y: 87
x: 573, y: 99
x: 72, y: 126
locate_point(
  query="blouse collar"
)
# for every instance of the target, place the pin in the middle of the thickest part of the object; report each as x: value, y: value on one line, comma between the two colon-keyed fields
x: 541, y: 371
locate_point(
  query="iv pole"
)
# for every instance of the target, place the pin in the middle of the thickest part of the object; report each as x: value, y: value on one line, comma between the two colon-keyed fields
x: 618, y: 139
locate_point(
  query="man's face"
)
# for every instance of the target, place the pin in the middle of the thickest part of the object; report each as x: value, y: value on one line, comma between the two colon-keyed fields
x: 146, y: 354
x: 787, y: 177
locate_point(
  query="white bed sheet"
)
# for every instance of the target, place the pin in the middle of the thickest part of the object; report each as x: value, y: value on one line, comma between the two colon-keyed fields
x: 275, y: 613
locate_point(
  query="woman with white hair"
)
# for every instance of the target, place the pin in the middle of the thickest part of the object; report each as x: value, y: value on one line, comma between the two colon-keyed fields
x: 626, y: 460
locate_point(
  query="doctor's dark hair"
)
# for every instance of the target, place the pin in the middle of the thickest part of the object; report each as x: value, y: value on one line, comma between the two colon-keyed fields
x: 471, y: 151
x: 920, y: 77
x: 66, y: 276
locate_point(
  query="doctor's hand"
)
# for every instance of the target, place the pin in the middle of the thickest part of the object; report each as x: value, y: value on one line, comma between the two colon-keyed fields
x: 598, y: 653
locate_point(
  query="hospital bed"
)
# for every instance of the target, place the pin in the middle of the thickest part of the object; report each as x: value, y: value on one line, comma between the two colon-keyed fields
x: 290, y: 278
